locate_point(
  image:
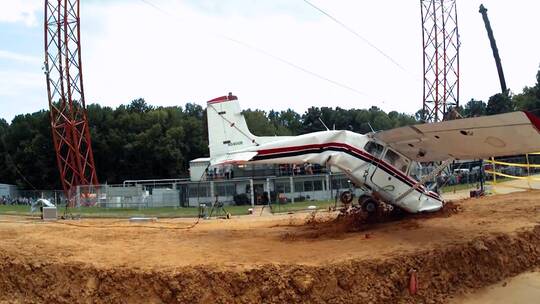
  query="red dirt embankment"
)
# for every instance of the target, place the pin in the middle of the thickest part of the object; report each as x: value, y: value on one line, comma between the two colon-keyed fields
x: 250, y: 260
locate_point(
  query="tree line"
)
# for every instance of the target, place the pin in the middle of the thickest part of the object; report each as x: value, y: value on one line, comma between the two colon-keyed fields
x: 139, y: 141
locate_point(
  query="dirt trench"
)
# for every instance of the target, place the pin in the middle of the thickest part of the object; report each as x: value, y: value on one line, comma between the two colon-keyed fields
x: 442, y: 272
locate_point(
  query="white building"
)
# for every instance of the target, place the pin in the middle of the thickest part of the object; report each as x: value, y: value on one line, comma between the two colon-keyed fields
x: 7, y: 190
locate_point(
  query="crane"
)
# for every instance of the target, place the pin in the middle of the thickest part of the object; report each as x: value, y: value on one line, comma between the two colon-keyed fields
x: 483, y: 10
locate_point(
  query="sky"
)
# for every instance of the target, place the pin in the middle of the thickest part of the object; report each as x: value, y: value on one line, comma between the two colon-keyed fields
x: 272, y: 54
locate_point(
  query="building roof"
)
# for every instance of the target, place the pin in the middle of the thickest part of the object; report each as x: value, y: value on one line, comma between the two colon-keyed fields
x: 200, y: 160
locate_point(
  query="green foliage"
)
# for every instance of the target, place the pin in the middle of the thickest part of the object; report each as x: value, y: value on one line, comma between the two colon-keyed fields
x: 499, y: 103
x: 529, y: 99
x: 474, y: 108
x: 140, y: 141
x: 259, y: 123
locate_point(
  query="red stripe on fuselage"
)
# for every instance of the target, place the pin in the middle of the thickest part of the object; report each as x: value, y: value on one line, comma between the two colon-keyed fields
x: 340, y: 145
x: 350, y: 148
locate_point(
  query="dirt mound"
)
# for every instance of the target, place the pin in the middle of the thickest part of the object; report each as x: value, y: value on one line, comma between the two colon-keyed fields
x: 321, y: 226
x: 441, y: 272
x: 246, y: 260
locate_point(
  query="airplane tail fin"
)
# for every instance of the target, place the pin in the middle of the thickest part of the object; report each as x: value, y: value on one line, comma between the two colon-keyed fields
x: 227, y: 127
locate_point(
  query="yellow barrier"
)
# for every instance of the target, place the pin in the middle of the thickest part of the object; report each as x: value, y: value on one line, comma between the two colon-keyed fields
x: 513, y: 176
x: 511, y: 164
x: 528, y: 178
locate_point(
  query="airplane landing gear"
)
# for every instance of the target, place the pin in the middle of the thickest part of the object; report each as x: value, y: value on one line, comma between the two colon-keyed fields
x: 346, y: 197
x: 368, y: 204
x: 370, y: 210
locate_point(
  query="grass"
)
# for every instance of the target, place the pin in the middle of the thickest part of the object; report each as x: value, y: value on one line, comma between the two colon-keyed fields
x: 459, y: 187
x: 96, y: 212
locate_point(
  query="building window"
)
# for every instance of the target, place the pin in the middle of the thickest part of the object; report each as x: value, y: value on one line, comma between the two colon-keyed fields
x: 199, y: 190
x: 223, y: 189
x: 283, y: 187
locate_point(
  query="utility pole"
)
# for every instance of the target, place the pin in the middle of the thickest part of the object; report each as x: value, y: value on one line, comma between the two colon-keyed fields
x: 483, y: 10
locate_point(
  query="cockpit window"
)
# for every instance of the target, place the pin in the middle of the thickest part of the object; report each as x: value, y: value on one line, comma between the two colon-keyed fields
x: 396, y: 160
x: 415, y: 170
x: 374, y: 149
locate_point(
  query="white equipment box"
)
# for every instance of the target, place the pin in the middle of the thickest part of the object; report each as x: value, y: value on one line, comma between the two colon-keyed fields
x: 49, y: 214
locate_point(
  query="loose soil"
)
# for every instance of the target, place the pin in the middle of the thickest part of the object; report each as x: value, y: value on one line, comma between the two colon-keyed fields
x: 275, y: 259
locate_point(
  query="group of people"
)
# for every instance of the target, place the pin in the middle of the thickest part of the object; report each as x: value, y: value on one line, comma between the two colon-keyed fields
x: 304, y: 169
x: 7, y: 200
x: 226, y: 172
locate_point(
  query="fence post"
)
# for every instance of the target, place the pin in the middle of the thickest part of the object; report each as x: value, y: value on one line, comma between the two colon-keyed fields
x: 291, y: 181
x: 78, y: 200
x: 268, y: 190
x: 494, y: 170
x: 212, y: 189
x: 251, y: 192
x: 327, y: 186
x: 528, y: 171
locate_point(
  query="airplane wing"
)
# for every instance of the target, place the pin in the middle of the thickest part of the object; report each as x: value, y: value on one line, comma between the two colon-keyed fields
x: 470, y: 138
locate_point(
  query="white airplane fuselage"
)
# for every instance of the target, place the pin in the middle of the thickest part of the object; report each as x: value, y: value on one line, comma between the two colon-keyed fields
x: 385, y: 173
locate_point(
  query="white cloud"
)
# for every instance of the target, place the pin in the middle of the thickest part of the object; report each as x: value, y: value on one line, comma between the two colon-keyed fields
x: 173, y: 60
x: 12, y: 56
x: 21, y: 92
x: 13, y: 82
x: 131, y: 50
x: 24, y: 11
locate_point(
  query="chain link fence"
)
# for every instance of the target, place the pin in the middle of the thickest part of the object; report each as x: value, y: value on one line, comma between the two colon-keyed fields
x: 183, y: 197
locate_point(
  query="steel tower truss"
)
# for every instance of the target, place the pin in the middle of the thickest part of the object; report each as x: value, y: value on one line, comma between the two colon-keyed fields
x: 69, y: 122
x: 441, y: 44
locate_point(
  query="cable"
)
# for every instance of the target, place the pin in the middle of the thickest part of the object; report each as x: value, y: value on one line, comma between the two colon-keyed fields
x: 356, y: 34
x: 127, y: 226
x: 261, y: 51
x: 294, y: 65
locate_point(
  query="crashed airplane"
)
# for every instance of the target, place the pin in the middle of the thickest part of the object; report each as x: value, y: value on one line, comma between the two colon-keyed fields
x: 382, y: 163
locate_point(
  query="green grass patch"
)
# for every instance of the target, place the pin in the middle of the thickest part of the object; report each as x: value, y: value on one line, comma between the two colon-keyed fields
x: 15, y: 209
x: 96, y: 212
x: 471, y: 186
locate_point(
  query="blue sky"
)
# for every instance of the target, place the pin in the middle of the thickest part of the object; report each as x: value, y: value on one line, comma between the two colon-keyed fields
x: 132, y: 50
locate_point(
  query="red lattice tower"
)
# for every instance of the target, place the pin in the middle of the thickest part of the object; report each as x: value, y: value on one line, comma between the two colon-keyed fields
x: 69, y: 123
x: 440, y: 38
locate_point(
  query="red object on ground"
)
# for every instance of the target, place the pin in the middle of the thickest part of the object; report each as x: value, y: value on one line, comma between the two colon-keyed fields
x: 413, y: 283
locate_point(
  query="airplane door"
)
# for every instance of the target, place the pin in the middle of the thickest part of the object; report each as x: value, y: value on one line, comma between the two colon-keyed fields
x: 390, y: 183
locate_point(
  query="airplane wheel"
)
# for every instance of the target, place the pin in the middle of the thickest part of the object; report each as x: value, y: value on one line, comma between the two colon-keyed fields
x: 346, y: 197
x: 370, y: 206
x: 363, y: 198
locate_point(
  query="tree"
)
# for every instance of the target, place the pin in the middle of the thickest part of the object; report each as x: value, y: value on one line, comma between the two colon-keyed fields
x: 529, y: 99
x: 421, y: 115
x: 137, y: 141
x: 474, y: 108
x: 258, y: 123
x: 499, y: 103
x: 139, y: 106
